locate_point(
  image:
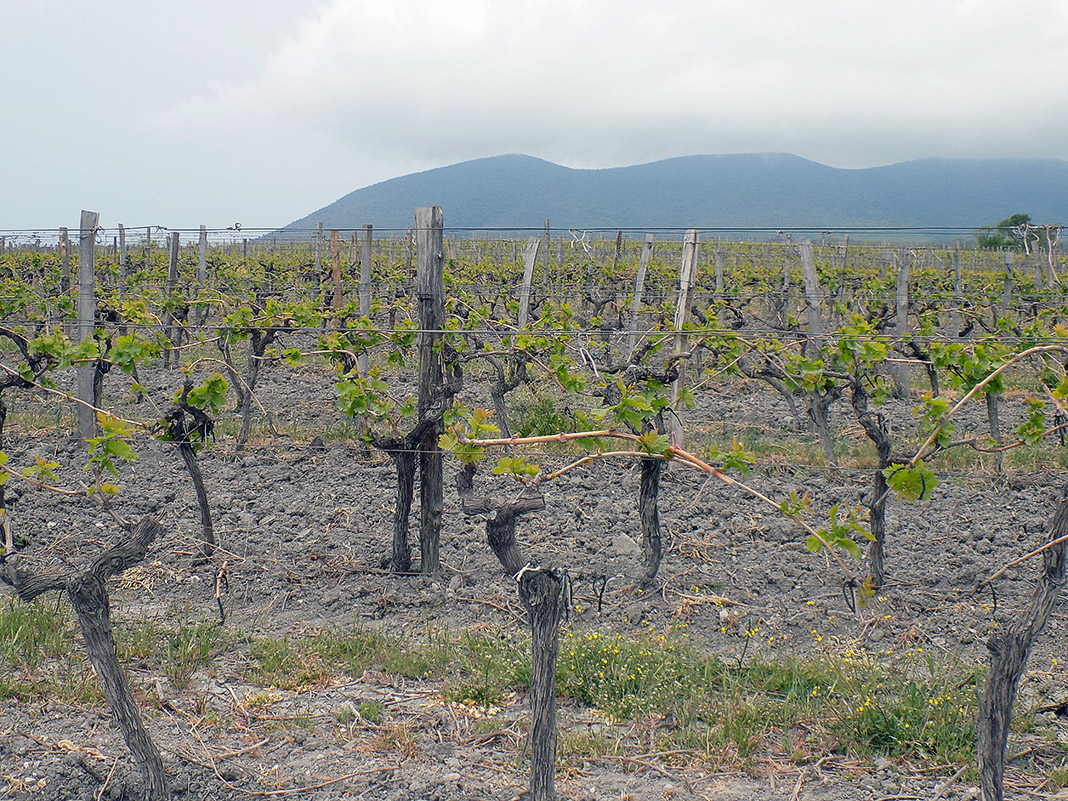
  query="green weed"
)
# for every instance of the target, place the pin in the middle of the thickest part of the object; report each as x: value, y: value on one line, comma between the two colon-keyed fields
x: 178, y: 652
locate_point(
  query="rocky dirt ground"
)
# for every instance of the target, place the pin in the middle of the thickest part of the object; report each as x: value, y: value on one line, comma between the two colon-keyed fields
x: 305, y: 527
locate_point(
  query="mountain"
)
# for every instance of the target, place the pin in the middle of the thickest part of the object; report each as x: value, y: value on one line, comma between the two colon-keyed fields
x: 746, y: 191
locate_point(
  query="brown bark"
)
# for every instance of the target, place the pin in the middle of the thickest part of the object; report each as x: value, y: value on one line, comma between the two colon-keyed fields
x: 503, y: 517
x: 543, y: 594
x: 1010, y: 647
x: 181, y: 435
x: 649, y: 517
x: 89, y: 596
x: 876, y: 432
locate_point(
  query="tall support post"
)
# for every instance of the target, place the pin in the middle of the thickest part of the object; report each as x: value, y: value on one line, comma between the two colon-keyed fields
x: 319, y: 250
x: 335, y: 267
x: 687, y: 276
x: 86, y: 315
x: 958, y: 300
x: 639, y: 289
x: 172, y: 283
x: 618, y: 253
x: 545, y: 254
x: 202, y: 256
x: 123, y: 260
x: 530, y: 255
x: 365, y: 285
x: 430, y: 288
x: 899, y: 372
x: 409, y: 249
x: 718, y: 264
x: 812, y: 289
x: 64, y: 261
x: 64, y: 277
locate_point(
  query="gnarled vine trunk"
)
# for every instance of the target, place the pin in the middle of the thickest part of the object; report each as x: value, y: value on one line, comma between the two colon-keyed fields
x: 88, y: 595
x: 1010, y: 647
x: 649, y: 516
x: 876, y: 432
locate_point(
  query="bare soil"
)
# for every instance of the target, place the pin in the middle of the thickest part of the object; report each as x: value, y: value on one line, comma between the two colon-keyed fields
x: 304, y: 529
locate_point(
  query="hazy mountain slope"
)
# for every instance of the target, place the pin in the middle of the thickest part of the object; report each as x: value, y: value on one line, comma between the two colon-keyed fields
x: 726, y: 191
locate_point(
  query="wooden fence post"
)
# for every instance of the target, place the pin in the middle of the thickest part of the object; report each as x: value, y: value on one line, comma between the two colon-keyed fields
x: 318, y: 239
x: 1006, y: 292
x: 123, y: 260
x: 899, y: 372
x: 958, y: 301
x: 687, y: 276
x: 430, y: 288
x: 64, y: 261
x: 365, y: 286
x: 812, y: 290
x: 86, y: 318
x: 335, y: 267
x: 718, y: 263
x: 545, y: 256
x: 530, y: 255
x: 618, y: 252
x: 202, y: 256
x: 172, y: 282
x: 64, y: 277
x: 639, y: 288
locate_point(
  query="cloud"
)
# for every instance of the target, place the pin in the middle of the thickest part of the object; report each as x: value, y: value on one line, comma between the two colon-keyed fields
x: 599, y: 82
x: 262, y: 111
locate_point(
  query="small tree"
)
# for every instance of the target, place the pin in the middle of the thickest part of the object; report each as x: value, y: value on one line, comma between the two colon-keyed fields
x: 1005, y: 235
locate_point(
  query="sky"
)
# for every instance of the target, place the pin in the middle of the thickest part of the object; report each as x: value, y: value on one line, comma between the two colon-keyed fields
x: 259, y: 112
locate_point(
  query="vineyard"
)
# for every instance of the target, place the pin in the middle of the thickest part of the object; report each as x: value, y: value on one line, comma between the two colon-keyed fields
x: 412, y: 515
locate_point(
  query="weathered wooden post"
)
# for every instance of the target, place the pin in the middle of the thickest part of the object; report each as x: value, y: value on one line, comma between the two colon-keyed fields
x: 365, y: 287
x: 172, y: 283
x: 687, y: 276
x: 618, y: 252
x: 202, y: 256
x: 317, y: 239
x: 86, y: 318
x: 546, y: 242
x: 530, y: 255
x: 718, y: 262
x: 639, y: 289
x: 123, y: 260
x: 1010, y: 278
x: 958, y: 300
x: 64, y: 261
x: 901, y: 327
x: 430, y: 286
x: 335, y: 266
x: 812, y: 290
x: 64, y: 276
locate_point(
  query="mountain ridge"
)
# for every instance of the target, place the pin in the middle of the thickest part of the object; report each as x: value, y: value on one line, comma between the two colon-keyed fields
x: 728, y: 191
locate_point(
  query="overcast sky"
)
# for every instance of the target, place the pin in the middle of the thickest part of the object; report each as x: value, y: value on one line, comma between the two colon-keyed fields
x: 261, y: 111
